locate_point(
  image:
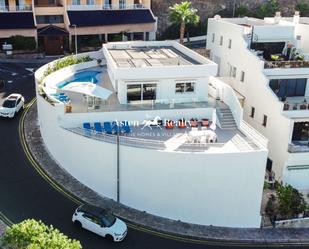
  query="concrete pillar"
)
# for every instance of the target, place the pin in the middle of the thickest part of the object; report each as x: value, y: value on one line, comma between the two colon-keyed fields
x: 131, y: 36
x: 144, y: 36
x: 70, y: 41
x: 106, y: 37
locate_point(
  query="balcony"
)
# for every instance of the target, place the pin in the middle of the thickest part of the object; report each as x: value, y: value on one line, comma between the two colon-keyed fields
x: 44, y: 3
x: 25, y: 7
x: 105, y: 7
x: 298, y: 147
x: 296, y: 104
x: 286, y: 64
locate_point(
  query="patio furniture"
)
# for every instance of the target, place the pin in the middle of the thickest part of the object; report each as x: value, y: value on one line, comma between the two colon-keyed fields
x: 193, y: 122
x: 205, y: 122
x: 182, y: 123
x: 303, y: 107
x: 116, y: 127
x: 87, y: 126
x: 169, y: 124
x: 98, y: 127
x: 108, y: 127
x: 126, y: 129
x: 295, y: 107
x: 286, y: 106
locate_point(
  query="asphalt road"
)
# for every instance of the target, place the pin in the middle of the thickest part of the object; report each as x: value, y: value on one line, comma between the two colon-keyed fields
x: 25, y: 194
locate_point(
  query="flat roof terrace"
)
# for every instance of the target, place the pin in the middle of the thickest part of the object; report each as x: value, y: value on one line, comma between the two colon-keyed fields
x: 150, y: 56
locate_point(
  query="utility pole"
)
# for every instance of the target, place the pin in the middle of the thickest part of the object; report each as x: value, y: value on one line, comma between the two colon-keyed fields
x: 234, y: 8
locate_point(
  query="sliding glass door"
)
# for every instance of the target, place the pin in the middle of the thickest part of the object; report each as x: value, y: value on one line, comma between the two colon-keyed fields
x: 301, y: 131
x: 141, y: 92
x: 289, y: 87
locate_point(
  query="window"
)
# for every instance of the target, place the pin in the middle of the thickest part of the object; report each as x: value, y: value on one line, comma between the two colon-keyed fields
x: 221, y: 40
x: 264, y: 121
x: 252, y: 112
x: 230, y: 43
x: 242, y: 76
x: 234, y: 72
x: 288, y: 87
x: 187, y: 87
x: 213, y: 38
x: 90, y: 2
x: 301, y: 132
x: 139, y: 92
x: 298, y: 37
x: 76, y: 2
x: 122, y: 4
x: 49, y: 19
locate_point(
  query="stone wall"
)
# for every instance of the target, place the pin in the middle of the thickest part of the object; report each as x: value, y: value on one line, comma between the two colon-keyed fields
x: 208, y: 8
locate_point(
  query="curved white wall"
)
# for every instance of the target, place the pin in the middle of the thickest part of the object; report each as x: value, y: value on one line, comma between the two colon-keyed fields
x: 210, y: 189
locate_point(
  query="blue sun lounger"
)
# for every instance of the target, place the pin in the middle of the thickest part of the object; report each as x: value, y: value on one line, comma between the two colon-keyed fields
x: 87, y: 126
x: 108, y: 127
x: 98, y: 127
x: 125, y: 127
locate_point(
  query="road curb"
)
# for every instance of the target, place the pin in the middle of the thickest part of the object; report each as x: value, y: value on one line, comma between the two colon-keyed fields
x: 63, y: 182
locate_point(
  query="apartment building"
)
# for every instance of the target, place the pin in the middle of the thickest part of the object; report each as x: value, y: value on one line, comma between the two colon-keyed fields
x: 55, y: 23
x: 266, y: 62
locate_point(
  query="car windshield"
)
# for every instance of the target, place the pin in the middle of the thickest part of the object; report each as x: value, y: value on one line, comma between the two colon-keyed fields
x: 9, y: 103
x: 108, y: 219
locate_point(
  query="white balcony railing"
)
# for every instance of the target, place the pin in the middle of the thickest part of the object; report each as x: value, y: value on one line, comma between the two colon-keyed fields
x: 105, y: 7
x: 25, y: 7
x: 122, y: 6
x: 298, y: 148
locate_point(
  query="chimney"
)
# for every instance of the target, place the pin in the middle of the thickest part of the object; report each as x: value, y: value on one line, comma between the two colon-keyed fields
x: 296, y: 17
x: 278, y: 17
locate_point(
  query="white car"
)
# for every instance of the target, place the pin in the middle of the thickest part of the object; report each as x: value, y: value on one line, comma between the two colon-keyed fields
x: 100, y: 221
x: 11, y: 105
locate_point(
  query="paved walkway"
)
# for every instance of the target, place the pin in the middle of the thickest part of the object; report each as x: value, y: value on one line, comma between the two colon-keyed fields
x: 45, y: 160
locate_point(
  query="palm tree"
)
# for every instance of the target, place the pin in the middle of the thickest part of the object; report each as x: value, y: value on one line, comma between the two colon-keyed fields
x: 183, y: 14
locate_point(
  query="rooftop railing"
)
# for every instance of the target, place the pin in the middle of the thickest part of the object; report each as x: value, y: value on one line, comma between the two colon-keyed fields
x: 152, y: 143
x: 286, y: 64
x: 25, y: 7
x: 300, y: 147
x: 255, y: 136
x: 105, y: 7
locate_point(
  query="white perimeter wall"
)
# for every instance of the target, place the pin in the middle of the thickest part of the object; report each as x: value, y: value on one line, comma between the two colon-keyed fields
x: 216, y: 189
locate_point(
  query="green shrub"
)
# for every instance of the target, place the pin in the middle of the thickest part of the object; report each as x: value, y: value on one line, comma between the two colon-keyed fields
x: 291, y: 201
x: 65, y: 62
x: 32, y: 234
x: 22, y: 43
x: 242, y: 11
x: 303, y: 8
x: 267, y: 9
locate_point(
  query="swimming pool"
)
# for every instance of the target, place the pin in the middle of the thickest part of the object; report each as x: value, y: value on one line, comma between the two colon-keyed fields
x: 84, y: 76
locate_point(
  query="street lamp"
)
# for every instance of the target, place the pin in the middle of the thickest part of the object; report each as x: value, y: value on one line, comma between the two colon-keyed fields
x: 234, y: 8
x: 74, y: 25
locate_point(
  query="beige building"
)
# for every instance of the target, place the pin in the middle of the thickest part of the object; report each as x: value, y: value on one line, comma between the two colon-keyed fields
x: 55, y: 23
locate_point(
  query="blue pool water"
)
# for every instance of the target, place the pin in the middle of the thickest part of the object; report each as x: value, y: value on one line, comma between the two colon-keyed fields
x: 84, y: 76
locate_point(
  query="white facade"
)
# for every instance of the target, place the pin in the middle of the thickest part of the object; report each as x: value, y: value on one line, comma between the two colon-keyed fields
x: 243, y: 68
x: 219, y: 186
x: 164, y: 76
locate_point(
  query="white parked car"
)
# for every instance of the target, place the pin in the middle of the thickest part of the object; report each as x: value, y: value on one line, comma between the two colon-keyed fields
x: 11, y: 105
x: 100, y: 221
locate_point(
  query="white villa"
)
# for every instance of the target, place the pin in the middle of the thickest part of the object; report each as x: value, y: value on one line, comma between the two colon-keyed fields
x: 148, y: 125
x: 266, y: 62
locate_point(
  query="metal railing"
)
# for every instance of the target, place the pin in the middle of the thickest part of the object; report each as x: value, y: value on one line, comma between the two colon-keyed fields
x: 142, y: 143
x: 298, y: 148
x: 122, y: 6
x: 105, y: 7
x: 25, y: 7
x: 151, y: 143
x: 285, y: 64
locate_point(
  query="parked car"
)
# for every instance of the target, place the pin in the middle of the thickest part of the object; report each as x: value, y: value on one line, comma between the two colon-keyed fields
x: 100, y: 221
x: 12, y: 105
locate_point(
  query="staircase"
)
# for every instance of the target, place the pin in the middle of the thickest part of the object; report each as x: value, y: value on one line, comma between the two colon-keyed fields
x: 226, y: 118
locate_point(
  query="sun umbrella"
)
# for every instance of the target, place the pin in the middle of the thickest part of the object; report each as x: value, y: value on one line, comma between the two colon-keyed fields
x: 89, y: 89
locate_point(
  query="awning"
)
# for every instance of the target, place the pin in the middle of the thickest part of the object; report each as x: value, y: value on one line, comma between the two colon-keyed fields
x: 89, y: 89
x: 52, y: 30
x: 17, y: 20
x: 110, y: 17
